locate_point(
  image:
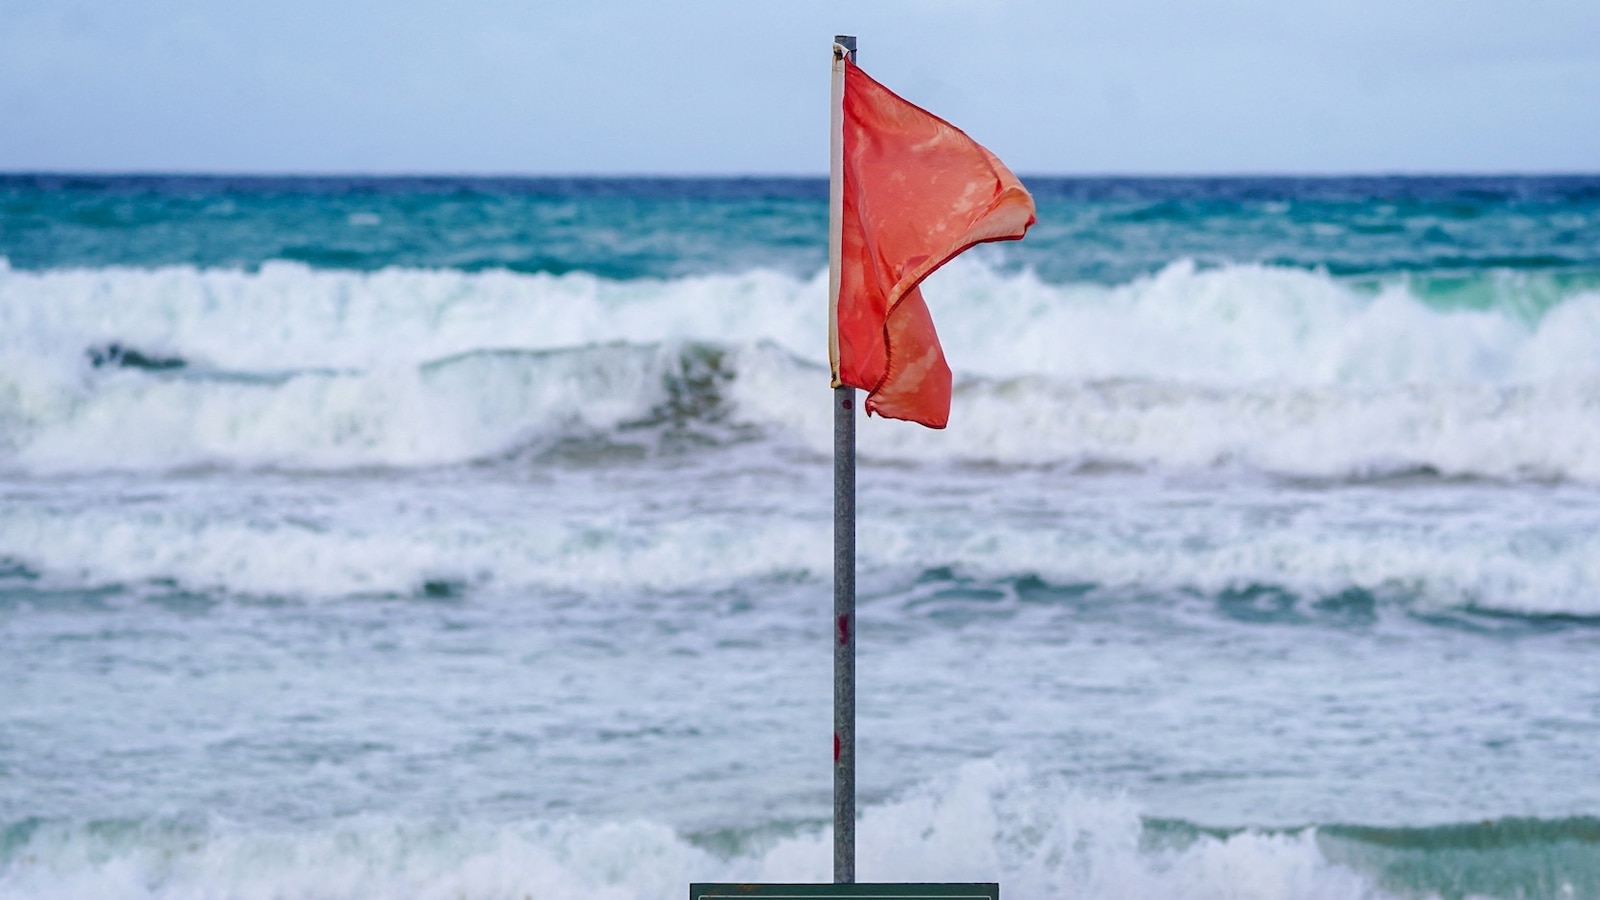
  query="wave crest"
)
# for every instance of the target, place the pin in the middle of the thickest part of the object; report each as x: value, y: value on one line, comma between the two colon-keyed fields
x: 1276, y: 370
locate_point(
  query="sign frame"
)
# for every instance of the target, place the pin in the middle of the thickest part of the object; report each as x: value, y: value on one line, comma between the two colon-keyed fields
x: 976, y: 890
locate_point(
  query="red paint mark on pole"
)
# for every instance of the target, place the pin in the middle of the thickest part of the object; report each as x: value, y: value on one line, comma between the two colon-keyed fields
x: 836, y: 746
x: 844, y: 630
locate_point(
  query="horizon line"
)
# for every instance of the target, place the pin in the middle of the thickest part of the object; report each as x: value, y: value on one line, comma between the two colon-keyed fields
x: 397, y: 175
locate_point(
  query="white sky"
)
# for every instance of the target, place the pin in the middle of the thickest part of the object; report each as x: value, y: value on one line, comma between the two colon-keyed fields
x: 741, y: 86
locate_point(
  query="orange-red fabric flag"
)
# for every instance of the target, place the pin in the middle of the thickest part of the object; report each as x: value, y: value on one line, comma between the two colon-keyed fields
x: 917, y: 192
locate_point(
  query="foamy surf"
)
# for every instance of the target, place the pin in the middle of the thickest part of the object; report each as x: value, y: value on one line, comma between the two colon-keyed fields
x: 1273, y: 370
x: 471, y: 538
x: 605, y: 532
x: 1036, y: 836
x: 1217, y: 325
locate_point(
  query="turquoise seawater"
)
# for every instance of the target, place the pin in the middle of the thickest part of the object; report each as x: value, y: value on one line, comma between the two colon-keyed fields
x: 447, y: 537
x: 1099, y: 230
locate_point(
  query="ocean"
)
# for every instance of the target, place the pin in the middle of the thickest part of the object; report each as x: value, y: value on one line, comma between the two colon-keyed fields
x: 471, y: 538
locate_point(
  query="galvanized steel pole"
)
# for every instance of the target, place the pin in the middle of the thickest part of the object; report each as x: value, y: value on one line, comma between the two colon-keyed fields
x: 844, y: 516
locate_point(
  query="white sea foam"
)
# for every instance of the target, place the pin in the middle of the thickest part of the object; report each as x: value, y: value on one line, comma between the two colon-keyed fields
x: 1546, y: 429
x: 1037, y: 836
x: 1273, y: 369
x: 1243, y: 323
x: 288, y: 317
x: 611, y: 536
x: 391, y: 415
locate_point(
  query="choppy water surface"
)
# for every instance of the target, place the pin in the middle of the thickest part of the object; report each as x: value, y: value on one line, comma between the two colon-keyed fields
x: 471, y: 538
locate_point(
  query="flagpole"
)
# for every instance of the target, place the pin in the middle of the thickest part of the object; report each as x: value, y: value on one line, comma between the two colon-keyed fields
x: 844, y: 510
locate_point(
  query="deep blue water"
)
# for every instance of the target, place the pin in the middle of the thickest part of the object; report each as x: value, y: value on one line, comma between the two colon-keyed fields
x: 1101, y: 230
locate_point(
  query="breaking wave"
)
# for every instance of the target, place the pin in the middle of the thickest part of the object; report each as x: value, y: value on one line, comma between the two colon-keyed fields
x: 1277, y: 370
x: 1036, y: 835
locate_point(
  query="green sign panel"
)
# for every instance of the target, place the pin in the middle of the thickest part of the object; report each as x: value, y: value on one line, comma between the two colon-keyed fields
x: 975, y: 891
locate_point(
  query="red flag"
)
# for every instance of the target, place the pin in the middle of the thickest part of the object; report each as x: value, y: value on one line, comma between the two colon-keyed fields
x: 917, y: 192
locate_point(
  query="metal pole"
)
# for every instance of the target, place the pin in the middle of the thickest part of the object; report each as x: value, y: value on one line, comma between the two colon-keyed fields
x: 844, y: 645
x: 844, y: 517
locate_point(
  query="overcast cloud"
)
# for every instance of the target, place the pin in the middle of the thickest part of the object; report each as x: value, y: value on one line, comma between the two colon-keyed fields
x: 741, y: 86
